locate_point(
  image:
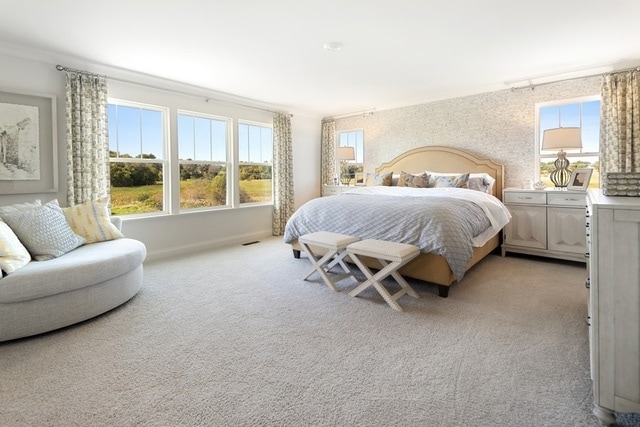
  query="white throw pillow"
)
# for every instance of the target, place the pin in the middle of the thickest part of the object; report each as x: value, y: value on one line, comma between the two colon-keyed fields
x: 92, y: 220
x: 44, y: 231
x: 13, y: 254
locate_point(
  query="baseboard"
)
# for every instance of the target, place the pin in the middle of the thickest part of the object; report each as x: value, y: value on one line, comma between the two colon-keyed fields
x: 174, y: 251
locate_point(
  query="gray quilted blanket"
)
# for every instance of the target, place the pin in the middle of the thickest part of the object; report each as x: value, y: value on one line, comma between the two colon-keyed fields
x: 441, y: 225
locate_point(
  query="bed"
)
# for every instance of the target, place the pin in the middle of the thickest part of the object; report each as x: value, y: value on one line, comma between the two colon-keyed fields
x: 428, y: 266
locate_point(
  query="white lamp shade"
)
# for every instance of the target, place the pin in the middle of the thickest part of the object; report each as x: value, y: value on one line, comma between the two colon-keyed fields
x: 346, y: 153
x: 569, y: 138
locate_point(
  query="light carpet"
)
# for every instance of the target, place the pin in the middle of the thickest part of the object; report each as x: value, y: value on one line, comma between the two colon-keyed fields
x: 234, y: 337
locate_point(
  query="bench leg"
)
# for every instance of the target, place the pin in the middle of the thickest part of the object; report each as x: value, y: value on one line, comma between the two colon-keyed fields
x: 319, y: 266
x: 374, y: 280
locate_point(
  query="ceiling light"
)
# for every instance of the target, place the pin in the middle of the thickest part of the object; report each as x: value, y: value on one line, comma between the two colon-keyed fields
x: 333, y: 46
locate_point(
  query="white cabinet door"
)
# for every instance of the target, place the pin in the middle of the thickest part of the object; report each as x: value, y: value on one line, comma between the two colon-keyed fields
x: 528, y: 227
x: 566, y: 229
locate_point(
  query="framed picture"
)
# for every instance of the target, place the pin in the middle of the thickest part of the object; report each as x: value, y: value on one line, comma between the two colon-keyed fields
x: 28, y: 143
x: 580, y: 179
x: 359, y: 178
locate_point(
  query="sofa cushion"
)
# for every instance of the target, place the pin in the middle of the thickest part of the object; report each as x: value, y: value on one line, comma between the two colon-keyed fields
x: 82, y: 267
x: 13, y: 255
x: 44, y: 231
x: 91, y: 220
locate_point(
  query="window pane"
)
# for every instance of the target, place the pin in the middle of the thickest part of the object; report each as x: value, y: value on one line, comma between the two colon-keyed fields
x: 136, y: 188
x: 202, y: 185
x: 255, y: 183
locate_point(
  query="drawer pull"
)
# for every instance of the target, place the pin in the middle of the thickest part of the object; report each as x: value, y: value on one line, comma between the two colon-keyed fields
x: 587, y: 283
x: 588, y: 320
x: 525, y: 197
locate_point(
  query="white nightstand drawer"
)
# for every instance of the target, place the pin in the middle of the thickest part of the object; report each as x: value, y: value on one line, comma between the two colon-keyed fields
x: 567, y: 199
x: 527, y: 197
x: 331, y: 190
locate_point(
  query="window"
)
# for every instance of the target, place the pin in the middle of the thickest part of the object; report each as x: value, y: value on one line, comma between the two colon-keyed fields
x: 349, y: 168
x: 583, y: 113
x: 202, y: 153
x: 137, y: 141
x: 255, y: 156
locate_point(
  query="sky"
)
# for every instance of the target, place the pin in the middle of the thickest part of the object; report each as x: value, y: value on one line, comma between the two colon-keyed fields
x: 133, y: 131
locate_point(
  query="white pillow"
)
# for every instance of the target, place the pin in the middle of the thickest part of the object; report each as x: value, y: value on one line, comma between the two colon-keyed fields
x: 44, y: 231
x: 18, y: 207
x: 13, y: 255
x: 92, y: 220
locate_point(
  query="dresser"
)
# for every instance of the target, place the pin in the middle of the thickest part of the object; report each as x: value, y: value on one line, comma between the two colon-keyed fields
x: 547, y: 223
x: 613, y: 229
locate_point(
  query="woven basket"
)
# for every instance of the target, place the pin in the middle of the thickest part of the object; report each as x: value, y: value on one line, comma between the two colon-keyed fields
x: 621, y: 184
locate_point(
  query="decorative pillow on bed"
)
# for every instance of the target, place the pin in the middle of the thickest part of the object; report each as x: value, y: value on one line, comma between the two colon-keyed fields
x: 456, y: 181
x: 383, y: 179
x: 44, y: 231
x: 414, y: 181
x: 13, y: 255
x: 479, y: 184
x: 92, y: 221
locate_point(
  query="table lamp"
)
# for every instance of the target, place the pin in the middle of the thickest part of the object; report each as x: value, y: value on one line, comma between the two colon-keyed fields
x: 569, y: 138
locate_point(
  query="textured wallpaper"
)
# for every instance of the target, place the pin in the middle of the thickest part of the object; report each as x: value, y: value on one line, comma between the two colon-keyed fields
x: 497, y: 125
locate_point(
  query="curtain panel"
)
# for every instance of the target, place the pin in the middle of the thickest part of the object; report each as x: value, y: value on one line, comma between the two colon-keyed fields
x: 283, y: 197
x: 328, y: 152
x: 620, y: 123
x: 87, y: 138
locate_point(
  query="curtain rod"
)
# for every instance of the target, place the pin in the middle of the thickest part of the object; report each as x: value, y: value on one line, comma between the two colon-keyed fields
x: 206, y: 98
x: 532, y: 86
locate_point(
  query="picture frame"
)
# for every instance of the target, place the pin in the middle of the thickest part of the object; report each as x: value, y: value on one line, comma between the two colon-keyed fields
x: 580, y: 179
x: 28, y: 143
x: 359, y: 178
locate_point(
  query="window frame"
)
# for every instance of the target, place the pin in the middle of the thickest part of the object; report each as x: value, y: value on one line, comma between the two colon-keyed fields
x: 228, y: 163
x: 238, y: 163
x: 359, y: 166
x: 165, y: 162
x: 539, y: 157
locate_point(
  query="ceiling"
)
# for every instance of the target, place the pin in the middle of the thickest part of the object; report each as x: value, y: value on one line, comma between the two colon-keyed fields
x: 395, y: 53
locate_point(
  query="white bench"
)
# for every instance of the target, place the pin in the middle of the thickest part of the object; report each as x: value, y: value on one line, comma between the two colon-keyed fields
x: 335, y: 245
x: 391, y: 256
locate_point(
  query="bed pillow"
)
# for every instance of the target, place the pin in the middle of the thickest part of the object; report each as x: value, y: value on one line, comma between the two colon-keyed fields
x: 479, y: 181
x: 414, y: 181
x: 448, y: 181
x: 92, y: 220
x: 382, y: 179
x: 13, y: 254
x: 44, y: 231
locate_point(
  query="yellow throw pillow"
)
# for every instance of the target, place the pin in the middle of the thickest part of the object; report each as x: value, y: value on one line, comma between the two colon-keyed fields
x: 13, y: 254
x: 92, y: 221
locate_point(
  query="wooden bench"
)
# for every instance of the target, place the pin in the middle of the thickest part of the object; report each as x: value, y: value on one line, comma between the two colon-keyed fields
x: 391, y: 256
x: 335, y: 245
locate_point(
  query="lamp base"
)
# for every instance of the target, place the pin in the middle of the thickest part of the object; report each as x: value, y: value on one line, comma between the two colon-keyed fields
x: 561, y: 175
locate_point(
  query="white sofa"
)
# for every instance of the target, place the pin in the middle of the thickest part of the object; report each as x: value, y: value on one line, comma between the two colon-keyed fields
x: 79, y: 285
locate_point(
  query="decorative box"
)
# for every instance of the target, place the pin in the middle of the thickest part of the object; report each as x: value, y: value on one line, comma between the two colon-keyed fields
x: 621, y: 184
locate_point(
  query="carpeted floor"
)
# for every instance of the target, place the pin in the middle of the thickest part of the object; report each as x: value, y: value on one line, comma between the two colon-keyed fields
x: 233, y: 337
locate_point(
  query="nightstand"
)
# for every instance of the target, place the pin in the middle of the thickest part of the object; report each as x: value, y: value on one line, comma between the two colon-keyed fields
x: 547, y: 223
x: 333, y: 190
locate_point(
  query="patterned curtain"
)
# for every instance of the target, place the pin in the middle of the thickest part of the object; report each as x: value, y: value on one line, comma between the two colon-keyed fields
x: 620, y: 123
x: 283, y: 200
x: 87, y: 138
x: 328, y: 152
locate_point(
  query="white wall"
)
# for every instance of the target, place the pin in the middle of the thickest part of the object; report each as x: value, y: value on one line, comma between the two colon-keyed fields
x: 497, y: 125
x: 168, y: 234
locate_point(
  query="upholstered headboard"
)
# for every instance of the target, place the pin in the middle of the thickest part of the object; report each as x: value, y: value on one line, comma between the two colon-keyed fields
x: 443, y: 160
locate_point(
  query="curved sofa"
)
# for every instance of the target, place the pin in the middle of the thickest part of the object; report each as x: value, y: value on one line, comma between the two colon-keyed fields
x: 81, y: 284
